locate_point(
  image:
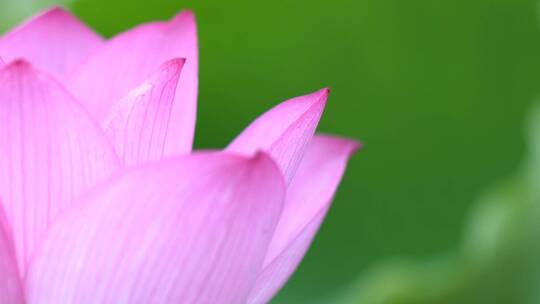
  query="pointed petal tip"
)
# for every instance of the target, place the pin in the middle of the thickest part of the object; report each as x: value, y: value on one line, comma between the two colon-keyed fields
x: 311, y: 101
x: 174, y: 69
x: 353, y: 145
x: 260, y: 156
x: 320, y: 96
x: 176, y: 62
x: 349, y: 146
x: 127, y: 121
x: 57, y: 130
x: 186, y: 14
x: 21, y: 68
x: 284, y: 130
x: 263, y: 159
x: 325, y: 91
x: 262, y: 164
x: 55, y: 11
x: 308, y: 198
x: 234, y: 242
x: 20, y: 62
x: 185, y: 17
x: 173, y: 66
x: 17, y: 65
x: 54, y: 40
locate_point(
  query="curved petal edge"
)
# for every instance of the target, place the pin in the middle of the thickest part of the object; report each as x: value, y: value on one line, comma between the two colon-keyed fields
x: 138, y: 125
x: 55, y: 41
x: 129, y: 58
x: 308, y: 198
x: 284, y: 131
x: 51, y: 151
x: 192, y: 229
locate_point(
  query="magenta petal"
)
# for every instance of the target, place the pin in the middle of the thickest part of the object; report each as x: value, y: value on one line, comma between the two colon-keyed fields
x: 11, y: 290
x: 193, y: 229
x: 138, y: 125
x: 129, y: 58
x: 55, y: 41
x: 50, y: 151
x: 308, y: 198
x: 284, y: 131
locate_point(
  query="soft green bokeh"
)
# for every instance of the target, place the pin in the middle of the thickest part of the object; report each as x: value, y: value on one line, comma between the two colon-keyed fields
x: 497, y: 262
x: 436, y: 89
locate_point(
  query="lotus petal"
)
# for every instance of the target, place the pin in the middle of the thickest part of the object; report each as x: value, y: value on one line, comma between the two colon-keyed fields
x: 138, y: 126
x: 308, y: 199
x: 50, y: 151
x: 129, y: 58
x: 11, y: 290
x: 193, y: 229
x: 284, y: 131
x: 55, y: 41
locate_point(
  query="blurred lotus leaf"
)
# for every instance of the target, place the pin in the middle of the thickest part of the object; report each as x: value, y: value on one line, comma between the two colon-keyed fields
x: 498, y: 260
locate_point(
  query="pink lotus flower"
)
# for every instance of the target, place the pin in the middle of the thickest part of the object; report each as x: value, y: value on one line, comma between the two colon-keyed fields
x: 102, y: 201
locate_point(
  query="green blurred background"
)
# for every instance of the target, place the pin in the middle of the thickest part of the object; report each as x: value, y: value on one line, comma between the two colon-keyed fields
x: 437, y: 90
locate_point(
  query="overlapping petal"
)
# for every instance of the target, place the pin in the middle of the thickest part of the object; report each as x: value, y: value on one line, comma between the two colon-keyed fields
x: 11, y: 290
x: 138, y: 125
x: 205, y: 228
x: 284, y: 131
x: 55, y: 41
x: 308, y: 198
x: 50, y: 152
x: 129, y: 58
x: 192, y: 229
